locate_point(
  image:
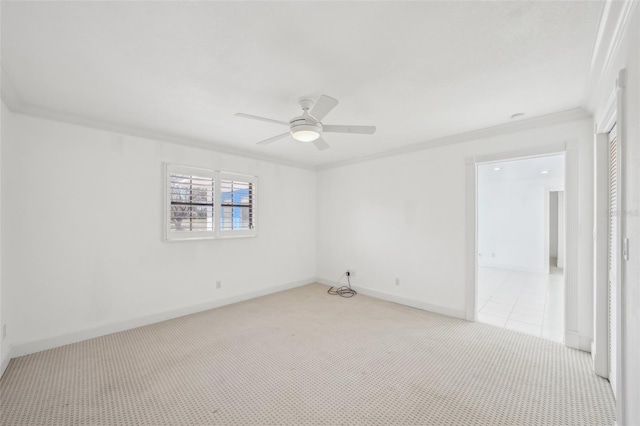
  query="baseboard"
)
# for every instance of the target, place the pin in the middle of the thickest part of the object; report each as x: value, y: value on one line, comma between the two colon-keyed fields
x: 600, y: 365
x: 26, y: 348
x: 584, y: 343
x: 512, y: 268
x: 577, y: 341
x: 5, y: 363
x: 400, y: 300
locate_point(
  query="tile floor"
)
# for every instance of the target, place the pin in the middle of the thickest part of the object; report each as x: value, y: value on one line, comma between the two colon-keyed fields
x: 527, y: 302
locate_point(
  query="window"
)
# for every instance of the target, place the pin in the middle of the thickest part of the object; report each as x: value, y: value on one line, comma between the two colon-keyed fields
x: 205, y: 203
x: 237, y: 204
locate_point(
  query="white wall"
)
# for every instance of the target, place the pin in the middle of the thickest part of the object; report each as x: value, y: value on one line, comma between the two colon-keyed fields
x: 631, y: 269
x: 82, y: 213
x: 511, y: 222
x: 5, y: 342
x: 404, y: 217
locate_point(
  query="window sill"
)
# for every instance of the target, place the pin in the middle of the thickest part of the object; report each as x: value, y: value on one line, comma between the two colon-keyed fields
x: 213, y: 237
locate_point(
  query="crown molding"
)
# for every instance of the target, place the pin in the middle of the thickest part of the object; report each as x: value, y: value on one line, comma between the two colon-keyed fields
x: 613, y: 26
x: 16, y: 105
x: 150, y: 134
x: 532, y: 123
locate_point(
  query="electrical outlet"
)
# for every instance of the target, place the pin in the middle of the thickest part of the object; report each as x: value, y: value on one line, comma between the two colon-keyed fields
x: 218, y: 284
x: 4, y: 331
x: 397, y: 281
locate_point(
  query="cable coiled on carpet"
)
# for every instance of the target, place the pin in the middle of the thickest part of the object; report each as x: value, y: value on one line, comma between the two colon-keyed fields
x: 345, y: 290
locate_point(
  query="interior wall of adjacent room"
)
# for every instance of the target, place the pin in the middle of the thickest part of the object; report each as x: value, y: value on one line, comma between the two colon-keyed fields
x: 553, y: 225
x: 627, y: 56
x: 404, y: 217
x: 83, y: 214
x: 561, y: 230
x: 511, y: 222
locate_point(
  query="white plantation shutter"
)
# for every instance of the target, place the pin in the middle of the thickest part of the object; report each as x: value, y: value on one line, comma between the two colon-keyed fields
x: 203, y: 203
x: 191, y: 201
x: 237, y: 206
x: 614, y: 253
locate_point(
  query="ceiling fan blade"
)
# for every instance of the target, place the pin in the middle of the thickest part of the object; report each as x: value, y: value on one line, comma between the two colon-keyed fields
x: 255, y: 117
x: 273, y: 139
x: 321, y: 144
x: 365, y: 130
x: 323, y: 107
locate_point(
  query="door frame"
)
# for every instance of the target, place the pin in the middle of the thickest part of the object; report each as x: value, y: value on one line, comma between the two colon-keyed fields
x: 572, y: 336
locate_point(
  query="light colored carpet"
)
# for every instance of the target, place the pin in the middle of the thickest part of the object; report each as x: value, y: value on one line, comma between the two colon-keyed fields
x: 304, y: 357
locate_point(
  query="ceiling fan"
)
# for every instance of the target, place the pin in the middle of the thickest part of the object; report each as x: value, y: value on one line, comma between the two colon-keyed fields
x: 308, y: 127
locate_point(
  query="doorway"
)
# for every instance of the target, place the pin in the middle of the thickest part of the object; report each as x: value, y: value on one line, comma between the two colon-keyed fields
x: 521, y: 245
x: 556, y: 229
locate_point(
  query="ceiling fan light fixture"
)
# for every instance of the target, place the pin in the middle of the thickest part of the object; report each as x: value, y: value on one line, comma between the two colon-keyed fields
x: 305, y: 133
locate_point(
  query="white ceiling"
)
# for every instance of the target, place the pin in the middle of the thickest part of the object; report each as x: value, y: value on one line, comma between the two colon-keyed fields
x: 529, y: 169
x: 416, y: 70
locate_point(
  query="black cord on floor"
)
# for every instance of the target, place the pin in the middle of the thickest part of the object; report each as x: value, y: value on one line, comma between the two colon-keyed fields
x: 344, y: 291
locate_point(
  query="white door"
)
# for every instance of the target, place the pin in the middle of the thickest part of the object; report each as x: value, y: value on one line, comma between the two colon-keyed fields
x: 614, y: 253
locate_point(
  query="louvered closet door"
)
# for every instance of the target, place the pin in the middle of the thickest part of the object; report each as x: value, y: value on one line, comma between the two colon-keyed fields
x: 614, y: 253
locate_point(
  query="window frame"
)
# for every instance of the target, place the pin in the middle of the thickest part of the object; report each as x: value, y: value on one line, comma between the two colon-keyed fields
x: 217, y: 176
